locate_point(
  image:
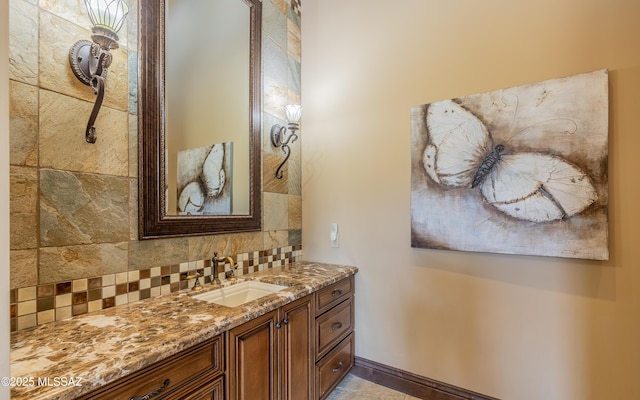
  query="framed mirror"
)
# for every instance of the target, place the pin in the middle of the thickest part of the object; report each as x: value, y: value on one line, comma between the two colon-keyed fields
x: 199, y: 117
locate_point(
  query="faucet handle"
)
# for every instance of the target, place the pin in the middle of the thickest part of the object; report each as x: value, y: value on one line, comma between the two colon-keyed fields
x: 196, y: 285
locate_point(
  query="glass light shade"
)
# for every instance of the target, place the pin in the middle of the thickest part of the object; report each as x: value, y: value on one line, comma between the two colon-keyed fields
x: 109, y: 14
x: 293, y: 113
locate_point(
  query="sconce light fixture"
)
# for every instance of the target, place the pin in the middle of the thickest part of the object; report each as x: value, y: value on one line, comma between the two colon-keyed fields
x: 293, y: 113
x: 90, y: 60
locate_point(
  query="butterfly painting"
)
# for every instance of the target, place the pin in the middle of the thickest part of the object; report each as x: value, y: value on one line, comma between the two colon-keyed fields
x: 204, y: 180
x: 520, y: 170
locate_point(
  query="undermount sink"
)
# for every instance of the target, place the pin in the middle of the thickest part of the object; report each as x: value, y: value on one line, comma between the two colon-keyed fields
x: 239, y: 294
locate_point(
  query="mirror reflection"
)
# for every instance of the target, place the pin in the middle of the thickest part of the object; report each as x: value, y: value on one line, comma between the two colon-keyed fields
x: 199, y: 119
x: 207, y: 53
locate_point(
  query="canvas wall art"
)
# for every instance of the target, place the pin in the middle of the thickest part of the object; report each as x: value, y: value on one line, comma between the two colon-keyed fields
x: 204, y: 180
x: 516, y: 171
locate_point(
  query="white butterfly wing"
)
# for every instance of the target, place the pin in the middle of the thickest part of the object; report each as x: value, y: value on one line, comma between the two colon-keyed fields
x: 191, y: 199
x: 213, y: 174
x: 538, y: 187
x: 458, y: 142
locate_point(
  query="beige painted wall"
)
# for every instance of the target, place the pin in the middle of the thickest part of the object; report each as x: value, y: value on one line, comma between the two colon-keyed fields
x: 4, y: 200
x: 514, y: 327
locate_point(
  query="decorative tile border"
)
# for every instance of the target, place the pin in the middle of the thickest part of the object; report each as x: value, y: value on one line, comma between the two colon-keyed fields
x: 296, y: 7
x: 36, y: 305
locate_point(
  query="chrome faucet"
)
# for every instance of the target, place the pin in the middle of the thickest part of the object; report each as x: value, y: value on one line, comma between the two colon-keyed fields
x: 229, y: 275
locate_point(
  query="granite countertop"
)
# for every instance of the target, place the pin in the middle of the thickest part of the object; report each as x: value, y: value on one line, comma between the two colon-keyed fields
x: 97, y: 348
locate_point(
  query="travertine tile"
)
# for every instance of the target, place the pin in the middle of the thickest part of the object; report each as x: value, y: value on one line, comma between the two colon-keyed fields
x: 46, y: 316
x: 82, y: 208
x: 203, y: 247
x: 133, y: 145
x: 274, y: 60
x: 133, y: 82
x: 275, y: 239
x: 246, y: 242
x: 23, y: 42
x: 276, y: 216
x: 63, y: 122
x: 293, y: 79
x: 27, y: 321
x: 295, y: 212
x: 275, y: 97
x: 63, y: 313
x: 133, y: 209
x: 293, y: 40
x: 274, y: 21
x: 23, y: 210
x: 270, y: 183
x: 295, y: 237
x: 281, y: 4
x: 59, y: 264
x: 152, y: 253
x: 295, y: 177
x: 57, y: 36
x: 23, y: 268
x: 23, y: 124
x: 131, y: 25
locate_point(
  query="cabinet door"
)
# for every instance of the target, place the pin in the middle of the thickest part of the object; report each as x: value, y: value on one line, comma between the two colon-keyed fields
x: 296, y: 350
x: 253, y: 359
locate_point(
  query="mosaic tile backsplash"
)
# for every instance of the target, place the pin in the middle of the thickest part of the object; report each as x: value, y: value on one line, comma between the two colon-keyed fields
x: 37, y: 305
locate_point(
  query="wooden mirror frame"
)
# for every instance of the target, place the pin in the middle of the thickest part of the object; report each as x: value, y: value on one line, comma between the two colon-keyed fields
x: 153, y: 222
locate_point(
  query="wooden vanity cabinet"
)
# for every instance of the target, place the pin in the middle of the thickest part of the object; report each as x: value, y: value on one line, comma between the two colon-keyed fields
x: 194, y: 374
x: 334, y: 337
x: 300, y: 351
x: 272, y: 357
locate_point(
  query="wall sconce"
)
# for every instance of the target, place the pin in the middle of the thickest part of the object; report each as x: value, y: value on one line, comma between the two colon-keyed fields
x: 293, y: 113
x: 90, y: 60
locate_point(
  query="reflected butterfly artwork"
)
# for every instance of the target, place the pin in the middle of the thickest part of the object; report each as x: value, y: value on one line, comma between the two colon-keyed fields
x: 517, y: 171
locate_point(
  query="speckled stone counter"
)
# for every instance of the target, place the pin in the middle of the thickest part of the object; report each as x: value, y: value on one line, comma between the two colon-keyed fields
x: 98, y: 348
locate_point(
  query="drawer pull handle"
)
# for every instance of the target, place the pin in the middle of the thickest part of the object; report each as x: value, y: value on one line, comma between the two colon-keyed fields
x: 336, y: 293
x: 338, y: 368
x: 285, y: 321
x: 154, y: 393
x: 336, y: 326
x: 278, y: 325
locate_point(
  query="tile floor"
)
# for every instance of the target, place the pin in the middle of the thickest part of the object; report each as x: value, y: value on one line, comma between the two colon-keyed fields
x: 354, y: 388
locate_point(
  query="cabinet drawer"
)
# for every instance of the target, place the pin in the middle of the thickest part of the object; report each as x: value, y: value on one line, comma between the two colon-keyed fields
x: 334, y: 366
x: 333, y: 294
x: 333, y: 326
x: 210, y: 390
x: 178, y: 370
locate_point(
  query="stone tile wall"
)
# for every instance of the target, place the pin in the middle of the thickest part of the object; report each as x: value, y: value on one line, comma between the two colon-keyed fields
x: 73, y: 207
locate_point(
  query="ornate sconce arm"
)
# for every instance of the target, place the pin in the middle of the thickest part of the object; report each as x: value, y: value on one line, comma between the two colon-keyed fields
x: 90, y: 60
x: 293, y: 113
x: 97, y: 83
x: 277, y: 133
